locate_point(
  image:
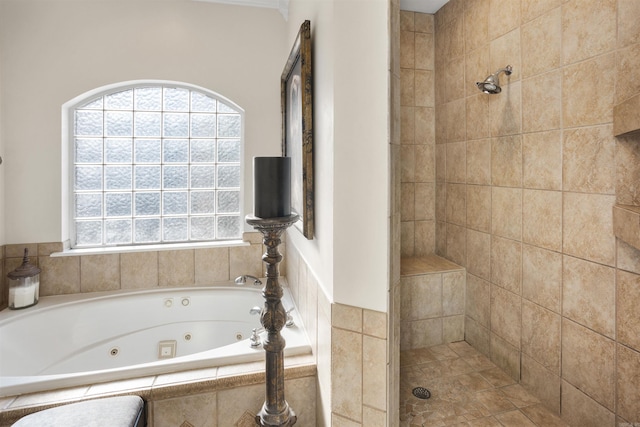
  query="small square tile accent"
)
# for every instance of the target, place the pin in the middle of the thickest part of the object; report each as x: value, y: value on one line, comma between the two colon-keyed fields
x: 246, y: 420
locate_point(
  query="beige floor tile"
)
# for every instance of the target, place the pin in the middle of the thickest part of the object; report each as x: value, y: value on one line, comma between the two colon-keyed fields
x: 467, y: 390
x: 519, y: 396
x: 497, y: 378
x: 542, y: 417
x: 494, y: 400
x: 485, y: 422
x: 514, y: 419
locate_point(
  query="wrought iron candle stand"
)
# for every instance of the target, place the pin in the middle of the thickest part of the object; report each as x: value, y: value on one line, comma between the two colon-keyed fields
x: 275, y: 410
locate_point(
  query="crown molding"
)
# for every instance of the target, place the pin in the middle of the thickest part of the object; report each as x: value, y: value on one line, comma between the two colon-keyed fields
x: 423, y: 6
x: 280, y: 5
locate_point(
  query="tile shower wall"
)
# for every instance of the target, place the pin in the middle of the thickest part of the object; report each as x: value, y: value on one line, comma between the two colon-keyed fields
x: 221, y: 407
x: 395, y: 218
x: 417, y: 134
x: 525, y: 184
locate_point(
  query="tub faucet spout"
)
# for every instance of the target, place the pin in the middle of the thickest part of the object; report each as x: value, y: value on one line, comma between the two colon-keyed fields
x: 241, y: 280
x: 255, y: 337
x: 290, y: 321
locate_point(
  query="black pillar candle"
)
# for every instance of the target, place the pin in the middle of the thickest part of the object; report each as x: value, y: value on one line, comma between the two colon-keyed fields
x: 271, y: 187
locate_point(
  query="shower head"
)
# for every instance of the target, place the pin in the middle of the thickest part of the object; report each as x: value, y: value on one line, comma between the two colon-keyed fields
x: 491, y: 84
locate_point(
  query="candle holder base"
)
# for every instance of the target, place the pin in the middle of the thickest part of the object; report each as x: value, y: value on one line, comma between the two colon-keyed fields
x: 286, y: 419
x: 275, y: 410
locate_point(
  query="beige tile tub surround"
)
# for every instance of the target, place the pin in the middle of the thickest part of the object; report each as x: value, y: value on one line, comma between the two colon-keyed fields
x: 200, y: 397
x: 59, y: 275
x: 137, y: 270
x: 100, y: 273
x: 208, y: 397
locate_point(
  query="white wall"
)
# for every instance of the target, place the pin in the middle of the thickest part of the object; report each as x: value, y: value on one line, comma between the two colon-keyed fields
x: 2, y: 168
x: 318, y: 253
x: 349, y: 255
x: 361, y: 156
x: 54, y: 50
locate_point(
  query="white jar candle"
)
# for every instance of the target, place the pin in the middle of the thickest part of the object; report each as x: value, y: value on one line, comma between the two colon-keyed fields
x: 22, y: 296
x: 24, y: 284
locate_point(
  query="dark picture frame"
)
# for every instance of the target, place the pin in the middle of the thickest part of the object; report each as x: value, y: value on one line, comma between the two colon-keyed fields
x: 296, y: 87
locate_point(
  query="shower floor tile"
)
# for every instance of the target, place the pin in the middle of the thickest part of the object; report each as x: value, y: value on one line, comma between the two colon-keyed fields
x: 467, y: 390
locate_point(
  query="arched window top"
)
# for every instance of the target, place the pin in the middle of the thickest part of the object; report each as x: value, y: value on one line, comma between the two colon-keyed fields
x: 154, y: 162
x: 119, y: 94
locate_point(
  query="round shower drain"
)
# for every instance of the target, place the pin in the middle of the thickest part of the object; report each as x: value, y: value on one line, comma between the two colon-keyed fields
x: 421, y: 393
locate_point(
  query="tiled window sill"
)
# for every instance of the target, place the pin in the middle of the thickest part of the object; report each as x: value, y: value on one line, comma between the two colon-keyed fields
x: 150, y: 248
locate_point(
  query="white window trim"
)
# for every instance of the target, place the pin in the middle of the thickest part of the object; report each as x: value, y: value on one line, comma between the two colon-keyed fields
x: 67, y: 205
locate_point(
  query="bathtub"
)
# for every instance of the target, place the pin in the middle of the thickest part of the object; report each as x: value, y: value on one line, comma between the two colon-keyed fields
x: 84, y: 339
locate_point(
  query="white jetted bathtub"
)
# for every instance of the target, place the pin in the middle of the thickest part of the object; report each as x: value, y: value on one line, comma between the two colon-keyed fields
x: 90, y: 338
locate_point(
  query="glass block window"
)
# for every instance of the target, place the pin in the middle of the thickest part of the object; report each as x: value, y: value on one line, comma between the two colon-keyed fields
x: 156, y: 164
